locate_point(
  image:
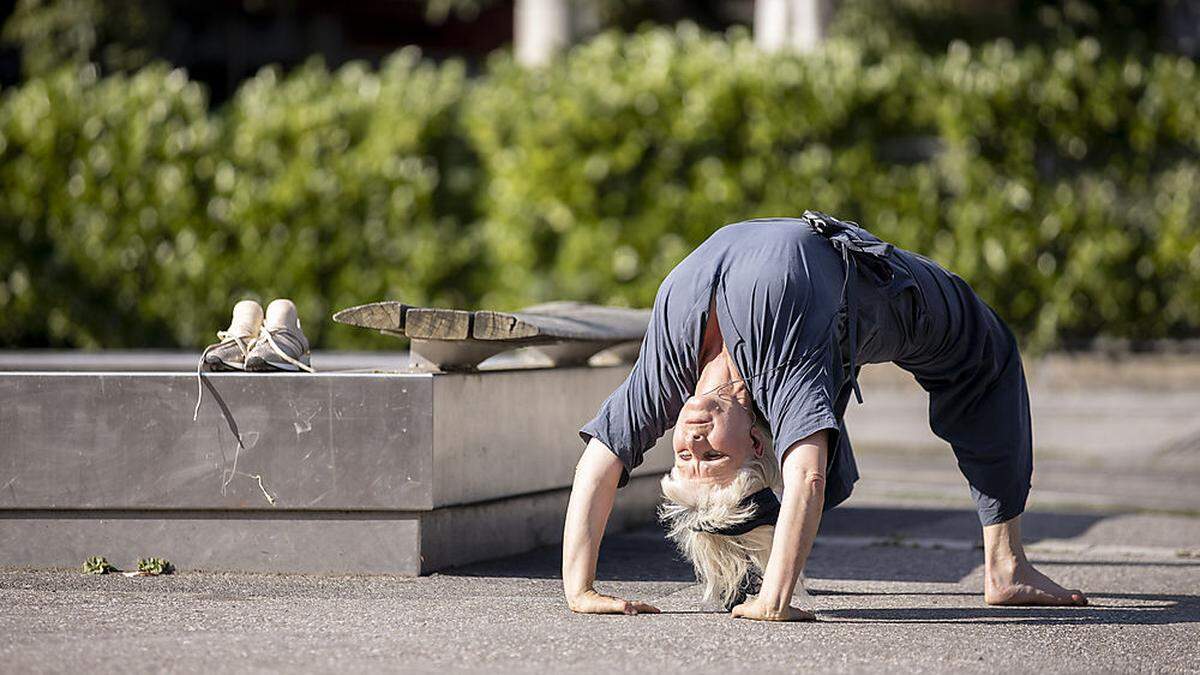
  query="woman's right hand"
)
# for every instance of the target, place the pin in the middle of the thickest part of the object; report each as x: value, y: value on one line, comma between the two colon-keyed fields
x: 763, y: 611
x: 592, y: 495
x: 591, y: 602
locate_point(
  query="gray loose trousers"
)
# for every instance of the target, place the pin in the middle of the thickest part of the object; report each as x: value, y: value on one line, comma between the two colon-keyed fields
x: 801, y: 303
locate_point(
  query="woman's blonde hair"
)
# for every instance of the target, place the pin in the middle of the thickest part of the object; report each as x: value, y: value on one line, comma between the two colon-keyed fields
x: 690, y: 507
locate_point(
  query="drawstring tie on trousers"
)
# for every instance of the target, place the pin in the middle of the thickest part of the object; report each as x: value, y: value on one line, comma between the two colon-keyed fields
x: 855, y: 245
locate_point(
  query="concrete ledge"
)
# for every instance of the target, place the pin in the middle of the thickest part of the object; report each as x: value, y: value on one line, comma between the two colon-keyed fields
x: 397, y: 473
x: 361, y: 542
x: 268, y: 541
x: 127, y: 441
x: 501, y: 433
x: 458, y: 535
x: 328, y: 441
x: 405, y: 472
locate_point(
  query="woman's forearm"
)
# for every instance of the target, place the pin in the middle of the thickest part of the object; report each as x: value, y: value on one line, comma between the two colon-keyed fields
x: 592, y: 494
x: 799, y: 519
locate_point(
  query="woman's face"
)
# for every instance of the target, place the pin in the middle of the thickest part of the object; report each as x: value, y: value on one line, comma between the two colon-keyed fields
x: 714, y: 437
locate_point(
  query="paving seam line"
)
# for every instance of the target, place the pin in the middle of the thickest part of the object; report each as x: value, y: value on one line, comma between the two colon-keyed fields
x: 1055, y: 546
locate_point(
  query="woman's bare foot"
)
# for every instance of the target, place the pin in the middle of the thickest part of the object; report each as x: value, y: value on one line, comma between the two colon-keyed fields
x: 1009, y: 577
x: 1022, y: 584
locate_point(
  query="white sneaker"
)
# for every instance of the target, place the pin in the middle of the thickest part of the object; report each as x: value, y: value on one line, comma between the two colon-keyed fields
x: 234, y: 346
x: 281, y: 344
x: 236, y: 341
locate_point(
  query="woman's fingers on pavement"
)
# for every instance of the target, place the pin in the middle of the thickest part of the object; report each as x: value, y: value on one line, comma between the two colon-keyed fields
x: 596, y: 603
x: 642, y: 608
x: 750, y: 610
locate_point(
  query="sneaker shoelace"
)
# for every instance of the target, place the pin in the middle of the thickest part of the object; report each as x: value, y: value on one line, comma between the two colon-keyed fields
x: 267, y: 333
x: 244, y: 343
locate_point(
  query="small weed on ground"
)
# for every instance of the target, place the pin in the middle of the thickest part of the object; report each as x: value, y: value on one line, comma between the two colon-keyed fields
x: 146, y: 567
x: 98, y: 564
x: 155, y: 566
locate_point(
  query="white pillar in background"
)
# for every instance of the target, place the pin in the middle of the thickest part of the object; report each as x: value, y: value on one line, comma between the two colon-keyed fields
x: 771, y: 24
x: 798, y: 25
x: 542, y: 29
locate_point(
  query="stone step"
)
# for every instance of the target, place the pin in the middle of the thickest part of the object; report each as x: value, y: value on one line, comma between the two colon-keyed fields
x: 97, y: 451
x: 405, y: 543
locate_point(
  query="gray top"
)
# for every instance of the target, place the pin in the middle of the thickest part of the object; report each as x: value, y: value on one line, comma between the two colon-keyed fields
x: 777, y: 286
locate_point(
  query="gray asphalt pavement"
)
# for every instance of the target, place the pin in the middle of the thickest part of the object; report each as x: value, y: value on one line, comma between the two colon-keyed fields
x: 896, y: 588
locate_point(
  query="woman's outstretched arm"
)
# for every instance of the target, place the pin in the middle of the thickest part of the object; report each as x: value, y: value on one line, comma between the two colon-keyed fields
x: 799, y: 517
x: 592, y: 494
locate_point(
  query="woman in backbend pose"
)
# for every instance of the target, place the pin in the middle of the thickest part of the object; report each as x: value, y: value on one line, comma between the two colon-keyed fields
x: 752, y: 353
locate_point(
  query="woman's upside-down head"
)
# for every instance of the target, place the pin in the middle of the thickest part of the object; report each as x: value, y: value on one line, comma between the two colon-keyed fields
x: 722, y: 458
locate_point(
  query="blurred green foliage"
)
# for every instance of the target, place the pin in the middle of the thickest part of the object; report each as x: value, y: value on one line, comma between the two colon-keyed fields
x: 1061, y: 182
x: 54, y: 33
x: 103, y: 212
x: 336, y: 189
x: 131, y: 216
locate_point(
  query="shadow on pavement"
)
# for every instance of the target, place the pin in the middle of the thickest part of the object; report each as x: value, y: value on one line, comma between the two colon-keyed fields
x: 646, y: 555
x: 1155, y: 610
x: 947, y: 523
x: 639, y: 555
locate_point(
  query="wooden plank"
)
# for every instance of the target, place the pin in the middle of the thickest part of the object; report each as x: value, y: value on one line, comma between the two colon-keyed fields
x: 428, y: 323
x: 387, y: 315
x: 562, y: 321
x: 557, y: 307
x: 613, y: 323
x: 505, y: 326
x: 565, y: 333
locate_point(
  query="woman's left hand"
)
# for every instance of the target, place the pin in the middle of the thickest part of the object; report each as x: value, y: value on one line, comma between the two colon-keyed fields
x: 763, y: 611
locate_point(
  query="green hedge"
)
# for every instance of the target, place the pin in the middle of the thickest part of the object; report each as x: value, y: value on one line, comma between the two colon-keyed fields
x: 103, y: 209
x: 138, y: 218
x: 347, y: 188
x: 1062, y: 184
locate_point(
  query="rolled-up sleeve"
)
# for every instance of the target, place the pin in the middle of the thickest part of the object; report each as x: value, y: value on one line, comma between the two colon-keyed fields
x: 645, y: 405
x: 802, y: 402
x: 629, y: 421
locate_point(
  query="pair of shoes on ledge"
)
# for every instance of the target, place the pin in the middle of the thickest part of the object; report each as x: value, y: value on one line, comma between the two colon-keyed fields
x: 255, y: 343
x: 258, y: 342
